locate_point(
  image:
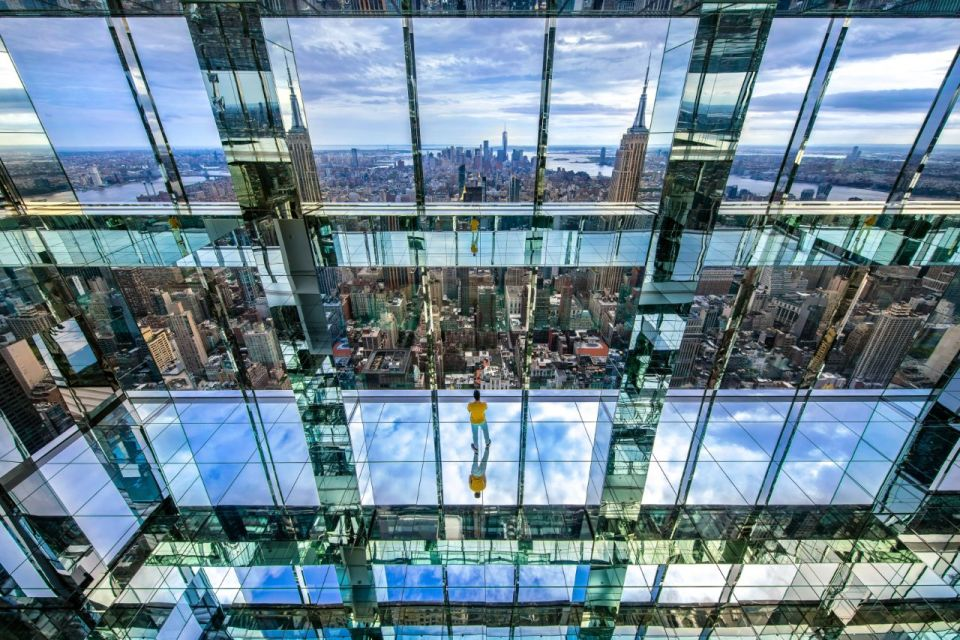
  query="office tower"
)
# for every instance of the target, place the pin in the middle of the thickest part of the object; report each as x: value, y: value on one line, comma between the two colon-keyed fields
x: 186, y: 335
x: 334, y: 322
x: 946, y: 351
x: 486, y: 308
x: 477, y: 279
x: 23, y: 364
x: 889, y: 342
x: 262, y: 347
x: 389, y: 330
x: 354, y: 158
x: 690, y: 345
x: 515, y: 185
x: 515, y: 300
x: 603, y: 156
x: 30, y: 321
x: 564, y: 286
x: 611, y: 278
x: 29, y: 400
x: 135, y: 290
x: 504, y: 142
x: 301, y: 150
x: 329, y: 278
x: 628, y: 164
x: 472, y: 193
x: 398, y: 278
x: 18, y: 410
x: 516, y: 276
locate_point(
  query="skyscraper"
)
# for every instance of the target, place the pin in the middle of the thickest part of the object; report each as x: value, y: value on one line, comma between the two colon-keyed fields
x: 301, y: 150
x: 262, y: 347
x: 628, y: 166
x: 504, y: 140
x: 515, y: 185
x: 187, y: 338
x: 30, y: 321
x: 888, y: 344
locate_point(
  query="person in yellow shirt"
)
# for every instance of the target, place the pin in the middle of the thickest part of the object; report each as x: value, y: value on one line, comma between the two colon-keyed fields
x: 474, y: 235
x: 478, y: 420
x: 478, y: 473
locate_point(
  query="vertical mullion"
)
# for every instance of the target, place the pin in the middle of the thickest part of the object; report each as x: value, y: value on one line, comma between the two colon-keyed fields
x: 546, y: 82
x: 933, y: 125
x: 409, y: 55
x: 803, y: 127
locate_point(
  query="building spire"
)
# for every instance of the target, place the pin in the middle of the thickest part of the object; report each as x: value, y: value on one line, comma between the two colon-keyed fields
x: 294, y: 103
x: 639, y: 123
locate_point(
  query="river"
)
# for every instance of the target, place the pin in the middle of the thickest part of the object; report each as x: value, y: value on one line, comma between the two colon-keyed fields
x: 763, y: 187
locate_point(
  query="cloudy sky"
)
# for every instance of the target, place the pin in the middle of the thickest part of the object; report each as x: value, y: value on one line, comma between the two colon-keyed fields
x: 474, y: 77
x: 886, y: 76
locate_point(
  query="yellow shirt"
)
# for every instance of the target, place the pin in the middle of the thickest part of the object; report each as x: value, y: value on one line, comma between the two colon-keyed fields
x: 474, y: 225
x: 478, y: 412
x: 478, y: 483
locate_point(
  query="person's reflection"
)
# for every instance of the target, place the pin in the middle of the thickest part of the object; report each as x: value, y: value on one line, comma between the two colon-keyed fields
x: 474, y: 235
x: 478, y: 472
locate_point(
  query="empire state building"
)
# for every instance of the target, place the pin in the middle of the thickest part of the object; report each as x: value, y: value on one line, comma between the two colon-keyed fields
x: 301, y: 151
x: 628, y: 167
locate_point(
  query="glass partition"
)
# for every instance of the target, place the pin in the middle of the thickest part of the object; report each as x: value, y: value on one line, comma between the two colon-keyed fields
x: 875, y: 102
x: 478, y: 85
x: 605, y: 73
x: 355, y: 101
x: 86, y: 107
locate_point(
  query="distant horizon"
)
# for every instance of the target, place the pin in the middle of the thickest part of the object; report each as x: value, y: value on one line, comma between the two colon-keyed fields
x: 432, y: 147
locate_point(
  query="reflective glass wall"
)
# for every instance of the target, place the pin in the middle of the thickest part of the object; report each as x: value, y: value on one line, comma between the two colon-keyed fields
x: 601, y: 320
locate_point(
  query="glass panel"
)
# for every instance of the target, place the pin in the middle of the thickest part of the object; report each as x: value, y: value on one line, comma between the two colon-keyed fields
x: 173, y: 74
x: 666, y: 109
x: 479, y: 93
x: 708, y: 320
x: 355, y: 100
x: 117, y: 334
x: 782, y: 81
x: 881, y: 330
x: 937, y: 343
x: 793, y: 308
x: 378, y: 314
x: 878, y: 95
x: 939, y: 178
x: 24, y: 148
x: 86, y: 107
x: 598, y: 78
x: 180, y: 323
